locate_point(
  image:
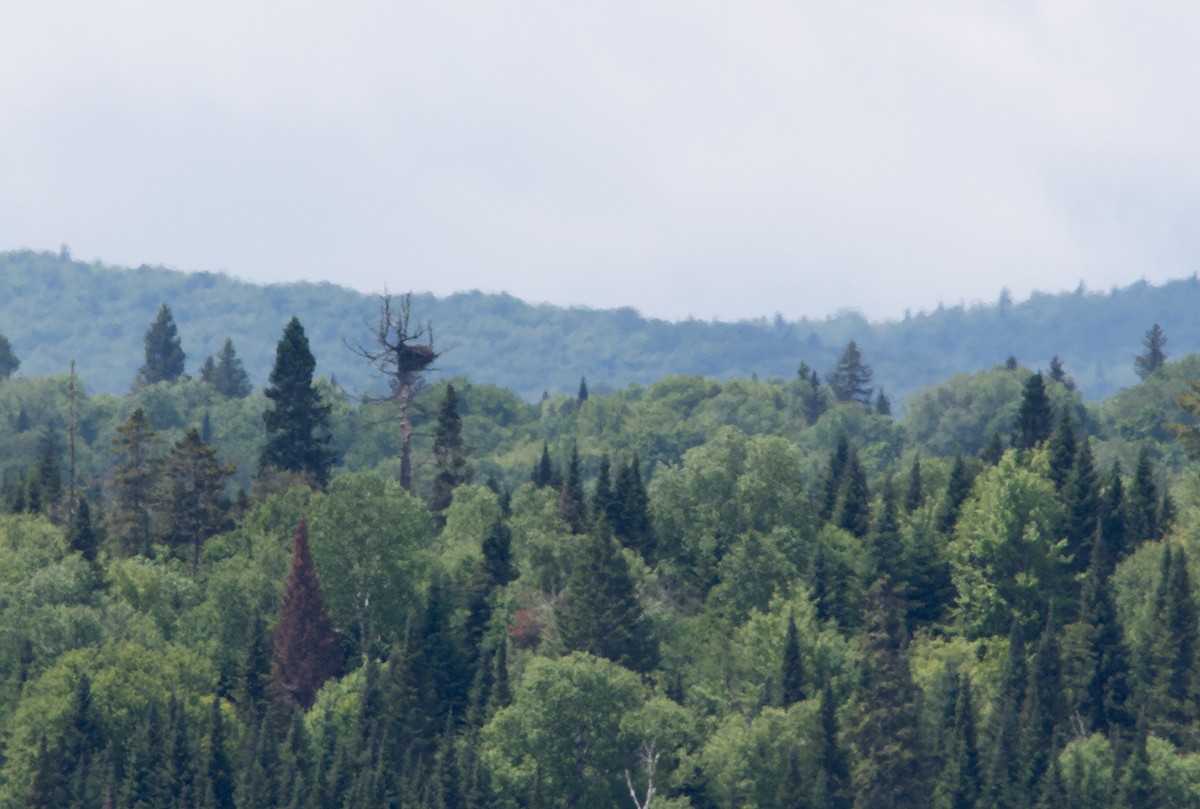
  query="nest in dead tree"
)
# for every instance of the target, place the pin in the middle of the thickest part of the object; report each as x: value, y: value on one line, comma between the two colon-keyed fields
x: 413, y: 359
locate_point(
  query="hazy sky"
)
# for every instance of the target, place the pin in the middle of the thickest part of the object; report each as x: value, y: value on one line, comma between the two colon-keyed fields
x: 699, y: 158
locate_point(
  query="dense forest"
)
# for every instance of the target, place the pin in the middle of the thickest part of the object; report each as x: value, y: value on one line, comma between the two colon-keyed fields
x: 56, y: 310
x: 698, y: 592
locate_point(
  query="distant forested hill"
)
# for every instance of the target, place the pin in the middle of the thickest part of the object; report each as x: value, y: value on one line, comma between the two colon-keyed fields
x: 54, y: 310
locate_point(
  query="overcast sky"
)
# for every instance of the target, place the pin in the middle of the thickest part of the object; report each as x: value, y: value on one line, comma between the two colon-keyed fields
x: 690, y: 158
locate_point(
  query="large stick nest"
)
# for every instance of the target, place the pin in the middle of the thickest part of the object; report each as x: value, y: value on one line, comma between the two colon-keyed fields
x: 413, y: 359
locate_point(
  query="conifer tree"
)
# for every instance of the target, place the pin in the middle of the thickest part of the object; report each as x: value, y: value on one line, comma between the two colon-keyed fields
x: 831, y: 787
x: 195, y: 504
x: 1154, y: 357
x: 1170, y: 689
x: 883, y: 405
x: 887, y: 547
x: 850, y: 378
x: 793, y: 683
x: 812, y: 398
x: 572, y: 506
x: 993, y: 451
x: 297, y: 421
x: 890, y: 771
x: 632, y: 526
x: 1004, y: 787
x: 960, y: 782
x: 854, y: 499
x: 227, y: 374
x: 604, y: 499
x: 8, y: 359
x: 449, y: 453
x: 253, y: 691
x: 1096, y: 649
x: 914, y: 495
x: 218, y: 787
x: 601, y: 614
x: 1111, y: 531
x: 164, y: 354
x: 957, y: 488
x: 582, y: 396
x: 1063, y: 448
x: 833, y: 481
x: 1059, y: 374
x: 1081, y: 498
x: 1043, y: 712
x: 81, y: 536
x: 544, y: 473
x: 303, y: 644
x: 1035, y: 417
x: 1143, y: 503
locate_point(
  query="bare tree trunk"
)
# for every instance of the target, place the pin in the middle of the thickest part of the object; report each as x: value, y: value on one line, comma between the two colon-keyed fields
x: 405, y: 399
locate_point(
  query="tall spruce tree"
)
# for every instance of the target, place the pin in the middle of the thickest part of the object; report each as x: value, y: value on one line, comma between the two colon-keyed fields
x: 850, y: 378
x: 1143, y: 503
x: 227, y: 374
x: 8, y: 359
x: 297, y: 420
x: 601, y: 614
x: 632, y: 526
x: 164, y: 354
x: 1154, y: 356
x: 134, y: 480
x: 572, y: 506
x: 449, y: 453
x: 194, y: 500
x: 1035, y: 418
x: 792, y: 680
x: 304, y: 645
x: 891, y: 770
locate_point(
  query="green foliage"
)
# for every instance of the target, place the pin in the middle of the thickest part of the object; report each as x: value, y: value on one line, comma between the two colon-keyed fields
x: 1006, y: 557
x: 297, y: 420
x: 164, y: 355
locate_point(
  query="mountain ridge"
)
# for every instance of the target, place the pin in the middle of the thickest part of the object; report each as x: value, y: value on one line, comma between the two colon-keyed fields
x: 533, y: 348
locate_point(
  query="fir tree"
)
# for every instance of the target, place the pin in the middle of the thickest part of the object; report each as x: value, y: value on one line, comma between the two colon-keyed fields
x: 1082, y: 501
x: 449, y: 453
x: 1059, y: 374
x: 1170, y: 689
x: 1143, y: 503
x: 1112, y: 522
x: 812, y: 402
x: 914, y: 495
x: 831, y: 484
x: 582, y: 396
x: 792, y: 681
x: 887, y: 547
x: 831, y: 787
x: 253, y: 691
x: 1005, y: 789
x: 297, y: 421
x: 1063, y: 449
x: 960, y: 783
x: 883, y: 405
x: 8, y: 359
x: 632, y: 526
x: 958, y: 486
x: 1043, y: 712
x: 164, y: 355
x: 227, y: 375
x: 81, y: 536
x: 195, y: 504
x: 1035, y: 417
x: 604, y: 499
x: 601, y: 614
x: 890, y: 770
x: 993, y: 451
x: 1154, y: 356
x: 850, y: 379
x: 854, y: 499
x: 303, y: 644
x: 218, y: 791
x: 544, y: 473
x: 572, y: 506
